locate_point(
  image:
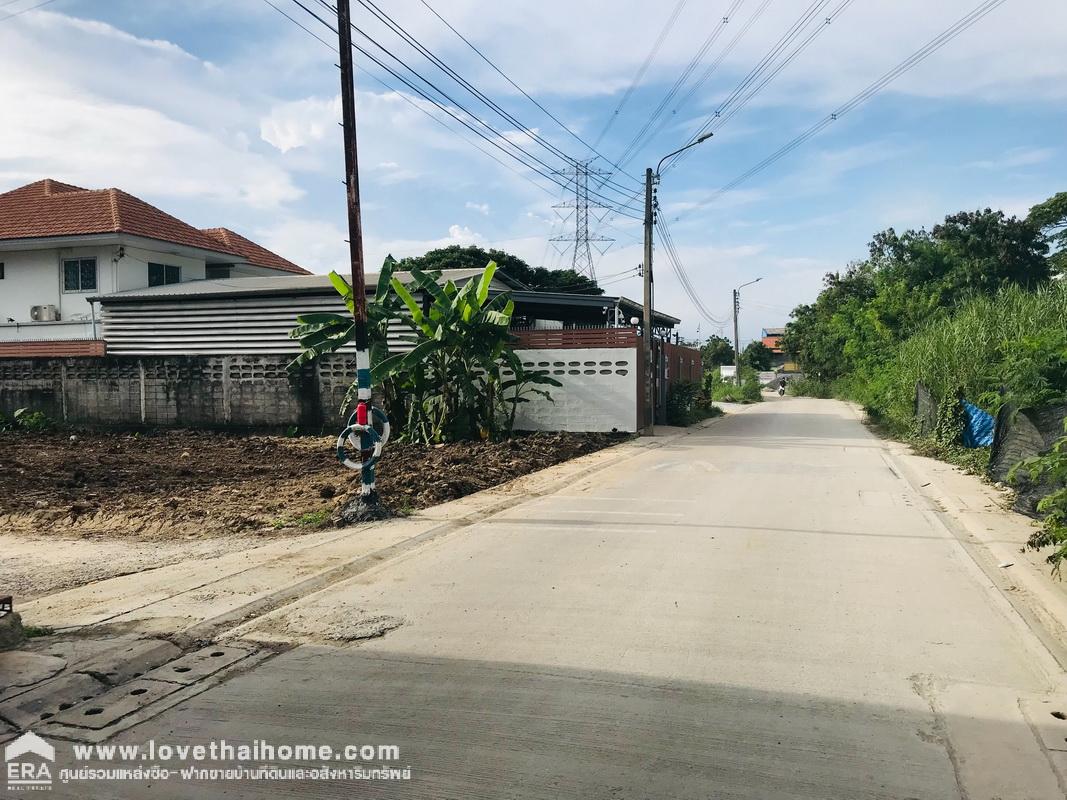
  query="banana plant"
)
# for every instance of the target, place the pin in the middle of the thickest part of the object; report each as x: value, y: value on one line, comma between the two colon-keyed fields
x: 323, y: 333
x: 453, y: 371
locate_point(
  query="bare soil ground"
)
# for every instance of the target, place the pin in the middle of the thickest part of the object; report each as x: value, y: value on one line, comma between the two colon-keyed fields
x: 177, y: 483
x: 104, y: 504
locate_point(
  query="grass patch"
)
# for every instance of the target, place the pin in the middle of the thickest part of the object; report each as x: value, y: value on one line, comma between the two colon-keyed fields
x: 37, y: 631
x: 972, y: 460
x: 310, y: 519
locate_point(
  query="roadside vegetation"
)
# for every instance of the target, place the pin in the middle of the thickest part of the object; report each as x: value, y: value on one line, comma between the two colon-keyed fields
x: 688, y: 403
x: 727, y: 391
x: 975, y: 309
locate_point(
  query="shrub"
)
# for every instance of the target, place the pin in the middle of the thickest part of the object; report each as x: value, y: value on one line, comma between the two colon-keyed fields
x: 688, y: 404
x: 751, y: 391
x: 1015, y: 341
x: 728, y: 392
x: 25, y: 420
x: 809, y: 387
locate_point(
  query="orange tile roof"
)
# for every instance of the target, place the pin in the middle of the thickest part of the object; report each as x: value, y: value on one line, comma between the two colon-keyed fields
x: 260, y: 256
x: 50, y: 208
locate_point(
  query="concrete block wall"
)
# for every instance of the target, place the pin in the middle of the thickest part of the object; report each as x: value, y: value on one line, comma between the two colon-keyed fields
x: 599, y: 391
x: 192, y: 391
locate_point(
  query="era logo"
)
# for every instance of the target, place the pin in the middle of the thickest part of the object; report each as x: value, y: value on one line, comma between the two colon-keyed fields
x: 27, y: 762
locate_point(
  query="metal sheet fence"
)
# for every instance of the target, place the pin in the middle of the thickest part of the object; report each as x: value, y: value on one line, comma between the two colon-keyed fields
x: 1023, y: 433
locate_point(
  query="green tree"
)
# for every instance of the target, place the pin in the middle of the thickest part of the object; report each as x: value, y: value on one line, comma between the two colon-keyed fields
x: 909, y: 279
x: 758, y: 356
x: 717, y: 351
x: 474, y: 257
x: 1050, y: 217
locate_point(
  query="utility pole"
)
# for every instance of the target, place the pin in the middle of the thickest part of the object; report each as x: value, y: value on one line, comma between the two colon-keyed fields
x: 348, y: 123
x: 737, y: 346
x: 646, y: 328
x: 360, y: 429
x: 737, y: 338
x: 651, y: 179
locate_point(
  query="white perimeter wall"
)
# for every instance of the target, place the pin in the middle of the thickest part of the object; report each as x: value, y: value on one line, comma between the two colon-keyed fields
x: 599, y: 391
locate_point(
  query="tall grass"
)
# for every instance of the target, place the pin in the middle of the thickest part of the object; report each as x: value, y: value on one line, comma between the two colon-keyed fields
x: 976, y: 349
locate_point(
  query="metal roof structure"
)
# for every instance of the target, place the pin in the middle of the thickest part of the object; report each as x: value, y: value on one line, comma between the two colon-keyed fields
x: 254, y: 315
x: 277, y: 285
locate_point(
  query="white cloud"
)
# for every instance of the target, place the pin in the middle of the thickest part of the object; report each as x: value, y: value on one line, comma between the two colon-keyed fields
x: 96, y: 127
x: 300, y: 123
x: 481, y: 208
x: 313, y: 244
x: 377, y: 248
x: 1015, y: 48
x: 1016, y: 157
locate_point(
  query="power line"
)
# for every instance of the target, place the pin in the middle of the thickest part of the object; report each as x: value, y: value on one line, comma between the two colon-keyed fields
x: 723, y: 55
x: 639, y: 138
x: 495, y: 141
x: 644, y: 68
x: 409, y: 39
x: 769, y: 71
x: 400, y: 31
x: 415, y: 105
x: 526, y: 94
x: 859, y: 98
x: 23, y: 11
x: 679, y: 270
x: 419, y: 76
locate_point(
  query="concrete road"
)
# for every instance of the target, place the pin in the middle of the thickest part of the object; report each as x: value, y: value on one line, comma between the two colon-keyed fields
x: 761, y: 609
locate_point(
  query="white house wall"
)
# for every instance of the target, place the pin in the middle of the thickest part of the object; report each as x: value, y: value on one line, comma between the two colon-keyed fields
x: 599, y: 391
x: 131, y: 271
x: 35, y: 278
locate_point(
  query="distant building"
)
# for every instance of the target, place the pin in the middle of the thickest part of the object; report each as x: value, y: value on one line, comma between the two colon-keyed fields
x: 771, y: 340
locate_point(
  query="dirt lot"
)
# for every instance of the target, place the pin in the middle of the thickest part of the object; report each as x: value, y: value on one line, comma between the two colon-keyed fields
x: 72, y: 512
x: 184, y: 483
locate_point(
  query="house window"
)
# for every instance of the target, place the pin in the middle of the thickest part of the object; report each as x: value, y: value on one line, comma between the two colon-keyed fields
x: 216, y: 272
x: 162, y: 274
x: 79, y: 275
x: 1, y: 270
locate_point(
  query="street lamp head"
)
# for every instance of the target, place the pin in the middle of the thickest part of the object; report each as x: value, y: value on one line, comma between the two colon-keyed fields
x: 743, y: 285
x: 704, y: 138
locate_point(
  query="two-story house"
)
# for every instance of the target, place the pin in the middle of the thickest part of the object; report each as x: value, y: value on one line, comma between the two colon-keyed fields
x: 61, y: 245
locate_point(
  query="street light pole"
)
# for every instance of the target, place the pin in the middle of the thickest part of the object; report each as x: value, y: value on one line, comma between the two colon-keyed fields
x: 651, y: 179
x: 737, y: 342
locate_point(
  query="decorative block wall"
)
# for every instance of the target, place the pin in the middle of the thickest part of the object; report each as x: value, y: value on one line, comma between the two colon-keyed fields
x: 599, y: 390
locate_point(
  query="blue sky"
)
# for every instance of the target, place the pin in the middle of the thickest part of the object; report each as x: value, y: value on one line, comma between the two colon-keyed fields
x: 224, y: 113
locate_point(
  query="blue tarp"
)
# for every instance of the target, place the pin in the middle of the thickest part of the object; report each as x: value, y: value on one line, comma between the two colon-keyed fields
x: 979, y: 430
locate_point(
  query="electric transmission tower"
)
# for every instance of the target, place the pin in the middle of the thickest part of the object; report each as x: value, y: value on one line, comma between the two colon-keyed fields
x: 582, y: 240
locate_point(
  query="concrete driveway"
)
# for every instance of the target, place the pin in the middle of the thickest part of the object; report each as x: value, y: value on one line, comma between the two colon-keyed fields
x: 764, y: 608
